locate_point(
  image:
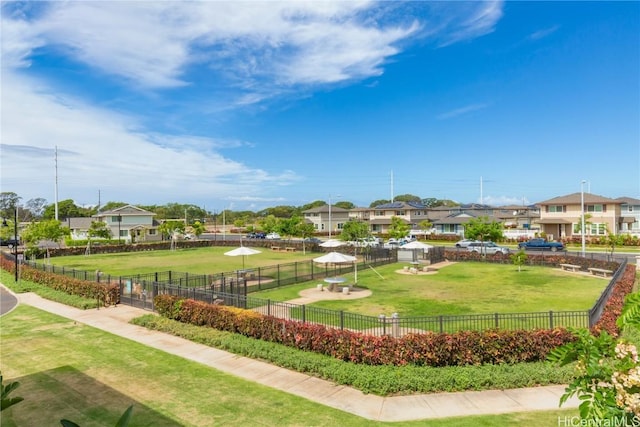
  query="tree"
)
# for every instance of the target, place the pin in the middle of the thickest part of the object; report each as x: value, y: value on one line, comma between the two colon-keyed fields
x: 614, y: 240
x: 35, y: 208
x: 8, y: 202
x: 354, y: 230
x: 305, y: 230
x: 66, y: 209
x: 482, y: 228
x: 519, y: 259
x: 344, y: 205
x: 398, y: 228
x: 289, y: 226
x: 51, y: 230
x: 97, y: 229
x: 315, y: 204
x: 171, y: 229
x: 407, y: 198
x: 425, y: 225
x: 378, y: 203
x: 268, y: 224
x: 198, y: 228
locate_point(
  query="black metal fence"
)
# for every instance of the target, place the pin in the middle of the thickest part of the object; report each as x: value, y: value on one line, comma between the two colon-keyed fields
x: 232, y: 289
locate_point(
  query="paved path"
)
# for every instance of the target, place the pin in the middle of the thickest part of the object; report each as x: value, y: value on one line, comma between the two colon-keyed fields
x: 115, y: 320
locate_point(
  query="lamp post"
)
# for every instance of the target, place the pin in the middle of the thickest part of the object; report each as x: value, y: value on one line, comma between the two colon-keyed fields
x: 15, y: 240
x: 119, y: 222
x: 582, y: 216
x: 330, y: 215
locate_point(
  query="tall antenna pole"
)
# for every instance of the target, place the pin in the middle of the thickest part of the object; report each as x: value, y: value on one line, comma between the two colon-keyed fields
x: 56, y: 190
x: 392, y: 196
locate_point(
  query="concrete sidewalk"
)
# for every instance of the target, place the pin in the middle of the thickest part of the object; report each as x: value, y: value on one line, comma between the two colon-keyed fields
x: 115, y: 320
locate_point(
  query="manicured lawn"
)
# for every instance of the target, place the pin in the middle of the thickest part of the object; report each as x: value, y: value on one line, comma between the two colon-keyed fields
x: 462, y: 288
x: 207, y: 260
x: 69, y: 370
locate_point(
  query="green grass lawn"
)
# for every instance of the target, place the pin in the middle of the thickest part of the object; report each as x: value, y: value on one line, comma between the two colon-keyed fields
x: 69, y: 370
x: 462, y: 288
x: 207, y: 260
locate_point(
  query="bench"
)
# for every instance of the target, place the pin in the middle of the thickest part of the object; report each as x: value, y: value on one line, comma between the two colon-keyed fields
x: 571, y: 267
x: 290, y: 249
x: 602, y: 271
x: 276, y: 248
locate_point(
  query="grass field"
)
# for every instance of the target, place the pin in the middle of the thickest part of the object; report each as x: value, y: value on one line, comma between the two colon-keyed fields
x: 462, y: 288
x: 69, y: 370
x: 207, y: 260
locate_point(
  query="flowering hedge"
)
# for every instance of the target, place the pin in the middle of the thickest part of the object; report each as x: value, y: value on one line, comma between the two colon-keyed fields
x: 429, y: 349
x: 105, y: 292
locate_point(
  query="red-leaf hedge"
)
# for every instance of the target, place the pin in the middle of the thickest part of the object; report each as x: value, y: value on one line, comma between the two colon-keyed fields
x: 105, y: 292
x: 429, y: 349
x: 613, y: 308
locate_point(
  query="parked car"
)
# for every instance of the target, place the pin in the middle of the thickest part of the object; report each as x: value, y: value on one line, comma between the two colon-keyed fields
x: 189, y: 236
x: 272, y: 236
x: 313, y: 240
x: 488, y: 248
x: 10, y: 243
x: 465, y: 243
x: 256, y: 235
x: 541, y: 244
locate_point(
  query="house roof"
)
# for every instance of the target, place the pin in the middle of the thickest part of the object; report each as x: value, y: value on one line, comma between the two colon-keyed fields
x: 558, y: 220
x: 325, y: 208
x: 402, y: 205
x: 576, y: 199
x: 459, y: 218
x: 79, y: 223
x: 628, y: 200
x: 124, y: 210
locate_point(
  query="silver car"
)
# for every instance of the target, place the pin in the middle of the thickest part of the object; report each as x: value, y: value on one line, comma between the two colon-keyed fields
x: 488, y: 248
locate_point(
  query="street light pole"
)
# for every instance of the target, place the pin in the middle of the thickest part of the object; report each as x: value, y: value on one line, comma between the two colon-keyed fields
x: 582, y: 216
x: 15, y: 236
x: 119, y: 222
x: 329, y: 216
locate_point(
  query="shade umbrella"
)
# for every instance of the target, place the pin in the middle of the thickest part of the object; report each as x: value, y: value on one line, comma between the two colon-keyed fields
x: 339, y: 258
x: 332, y: 243
x: 416, y: 245
x: 242, y: 251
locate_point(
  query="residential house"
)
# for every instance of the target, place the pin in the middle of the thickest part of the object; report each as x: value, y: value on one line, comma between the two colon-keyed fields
x: 131, y: 224
x: 78, y: 226
x: 412, y: 213
x: 327, y: 219
x: 630, y: 215
x: 561, y: 217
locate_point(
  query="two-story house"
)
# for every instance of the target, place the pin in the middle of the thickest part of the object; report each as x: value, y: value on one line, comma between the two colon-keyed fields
x: 412, y: 213
x: 130, y: 224
x: 630, y: 215
x: 561, y: 217
x: 327, y: 219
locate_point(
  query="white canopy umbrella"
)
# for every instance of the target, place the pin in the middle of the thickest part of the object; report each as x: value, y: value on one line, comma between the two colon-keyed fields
x: 416, y: 245
x: 242, y: 251
x: 339, y: 258
x: 335, y: 258
x: 332, y: 243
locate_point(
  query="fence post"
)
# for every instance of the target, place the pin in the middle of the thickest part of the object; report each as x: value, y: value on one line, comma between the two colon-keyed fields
x: 395, y: 325
x: 341, y: 320
x: 268, y: 307
x: 441, y: 320
x: 304, y: 314
x: 550, y: 319
x: 383, y: 319
x: 496, y: 317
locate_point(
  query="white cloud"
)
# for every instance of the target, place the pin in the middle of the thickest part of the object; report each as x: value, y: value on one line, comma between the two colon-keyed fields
x: 461, y: 111
x: 101, y: 150
x: 540, y: 34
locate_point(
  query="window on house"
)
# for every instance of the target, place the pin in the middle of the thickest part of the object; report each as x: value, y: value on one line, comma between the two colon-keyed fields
x: 399, y: 213
x: 448, y: 228
x: 596, y: 229
x: 630, y: 208
x: 595, y: 208
x: 555, y: 208
x: 152, y: 232
x: 379, y: 213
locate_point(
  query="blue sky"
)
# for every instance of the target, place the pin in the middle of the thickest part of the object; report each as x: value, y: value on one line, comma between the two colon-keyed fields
x: 246, y: 105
